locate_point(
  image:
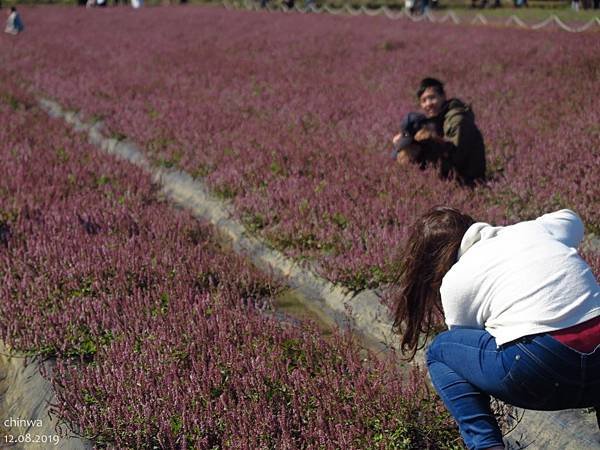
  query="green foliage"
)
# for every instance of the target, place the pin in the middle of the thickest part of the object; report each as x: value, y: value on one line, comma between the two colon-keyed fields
x: 277, y: 391
x: 85, y: 289
x: 11, y: 101
x: 102, y: 180
x: 161, y: 306
x: 176, y: 424
x: 293, y: 353
x: 8, y: 215
x: 340, y: 220
x: 365, y: 278
x: 171, y: 161
x: 201, y: 171
x: 118, y: 136
x: 225, y: 192
x: 254, y: 221
x: 61, y: 155
x: 83, y: 343
x: 304, y: 206
x: 276, y: 169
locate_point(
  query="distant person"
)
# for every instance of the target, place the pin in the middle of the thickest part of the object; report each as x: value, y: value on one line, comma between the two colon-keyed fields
x: 448, y: 137
x: 289, y: 4
x: 14, y: 24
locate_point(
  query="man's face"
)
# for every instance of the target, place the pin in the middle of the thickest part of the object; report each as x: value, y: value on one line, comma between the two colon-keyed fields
x: 431, y: 102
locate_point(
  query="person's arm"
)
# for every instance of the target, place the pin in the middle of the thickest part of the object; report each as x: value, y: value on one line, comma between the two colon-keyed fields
x: 459, y: 135
x: 437, y: 149
x: 457, y: 296
x: 564, y: 225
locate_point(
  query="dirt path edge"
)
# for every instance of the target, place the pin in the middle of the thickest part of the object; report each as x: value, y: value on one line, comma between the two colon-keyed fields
x: 25, y: 396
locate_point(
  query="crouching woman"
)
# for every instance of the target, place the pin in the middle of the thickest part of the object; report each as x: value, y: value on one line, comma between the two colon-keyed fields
x: 522, y: 310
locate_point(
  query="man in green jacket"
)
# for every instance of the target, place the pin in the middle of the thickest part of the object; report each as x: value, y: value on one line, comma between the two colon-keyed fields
x: 446, y: 137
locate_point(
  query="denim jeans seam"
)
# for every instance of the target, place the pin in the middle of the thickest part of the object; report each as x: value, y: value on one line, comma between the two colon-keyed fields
x: 540, y: 363
x: 454, y: 344
x: 587, y: 357
x: 567, y: 348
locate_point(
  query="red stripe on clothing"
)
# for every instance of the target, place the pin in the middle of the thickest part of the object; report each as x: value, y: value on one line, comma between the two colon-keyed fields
x: 583, y: 337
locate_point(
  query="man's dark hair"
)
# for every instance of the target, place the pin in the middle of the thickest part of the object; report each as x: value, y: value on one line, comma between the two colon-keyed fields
x: 430, y: 83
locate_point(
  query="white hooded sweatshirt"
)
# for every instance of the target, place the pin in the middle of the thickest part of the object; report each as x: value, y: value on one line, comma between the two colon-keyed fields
x: 521, y: 279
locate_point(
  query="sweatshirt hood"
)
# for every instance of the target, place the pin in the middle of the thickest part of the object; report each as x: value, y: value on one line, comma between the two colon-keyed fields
x: 479, y: 231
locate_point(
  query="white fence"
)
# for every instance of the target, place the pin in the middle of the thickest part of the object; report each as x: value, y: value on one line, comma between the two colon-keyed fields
x: 450, y: 16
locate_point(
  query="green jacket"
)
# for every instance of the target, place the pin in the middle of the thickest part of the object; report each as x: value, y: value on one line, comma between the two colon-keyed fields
x: 465, y: 147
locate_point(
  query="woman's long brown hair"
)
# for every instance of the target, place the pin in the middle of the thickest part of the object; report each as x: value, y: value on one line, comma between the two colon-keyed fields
x: 431, y: 250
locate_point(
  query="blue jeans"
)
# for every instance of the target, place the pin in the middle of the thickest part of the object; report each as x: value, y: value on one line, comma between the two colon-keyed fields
x: 534, y: 372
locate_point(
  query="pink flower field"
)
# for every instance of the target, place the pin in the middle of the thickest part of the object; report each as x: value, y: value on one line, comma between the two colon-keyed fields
x: 161, y: 337
x: 291, y: 115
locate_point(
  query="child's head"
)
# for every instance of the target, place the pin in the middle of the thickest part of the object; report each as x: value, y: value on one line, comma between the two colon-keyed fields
x: 409, y: 126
